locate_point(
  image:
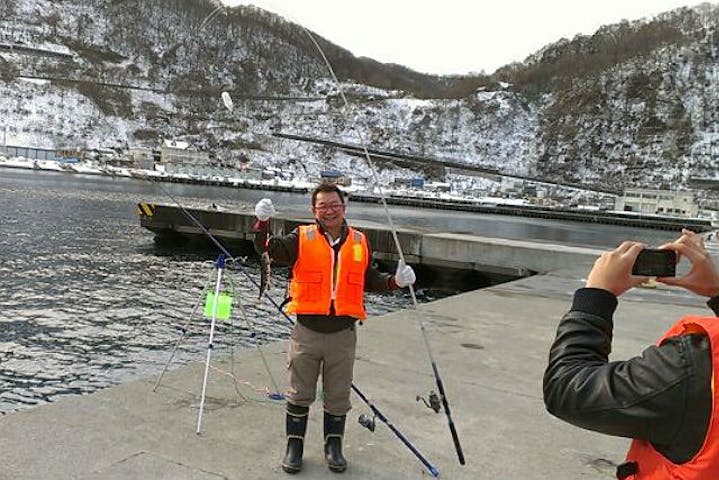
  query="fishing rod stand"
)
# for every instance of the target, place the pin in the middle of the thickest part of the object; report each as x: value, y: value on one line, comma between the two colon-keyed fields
x: 434, y: 401
x: 220, y: 266
x: 215, y: 311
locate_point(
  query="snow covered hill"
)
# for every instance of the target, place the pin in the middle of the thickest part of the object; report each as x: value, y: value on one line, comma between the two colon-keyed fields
x: 634, y: 104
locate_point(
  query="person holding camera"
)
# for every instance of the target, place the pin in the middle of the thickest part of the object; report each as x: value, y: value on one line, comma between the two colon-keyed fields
x: 665, y: 399
x: 331, y: 267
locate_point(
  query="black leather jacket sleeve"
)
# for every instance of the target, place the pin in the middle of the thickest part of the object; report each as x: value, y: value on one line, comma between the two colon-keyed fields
x: 662, y: 396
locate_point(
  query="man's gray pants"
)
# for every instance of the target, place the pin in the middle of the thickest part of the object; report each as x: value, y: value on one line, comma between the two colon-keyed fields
x: 333, y: 354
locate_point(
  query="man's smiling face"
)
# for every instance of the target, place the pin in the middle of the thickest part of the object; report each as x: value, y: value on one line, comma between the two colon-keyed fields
x: 329, y: 210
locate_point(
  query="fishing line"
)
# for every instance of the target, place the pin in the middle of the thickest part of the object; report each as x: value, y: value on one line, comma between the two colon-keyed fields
x: 251, y: 326
x: 274, y: 395
x: 186, y: 328
x: 430, y: 468
x: 370, y: 164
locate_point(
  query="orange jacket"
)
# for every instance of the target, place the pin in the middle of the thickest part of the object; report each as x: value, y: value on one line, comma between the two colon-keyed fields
x: 644, y: 462
x: 315, y: 276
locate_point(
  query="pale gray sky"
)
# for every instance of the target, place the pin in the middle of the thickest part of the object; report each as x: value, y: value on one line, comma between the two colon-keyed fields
x: 456, y: 36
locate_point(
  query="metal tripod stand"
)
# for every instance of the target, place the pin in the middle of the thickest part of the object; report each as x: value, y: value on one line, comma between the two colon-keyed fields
x: 213, y: 304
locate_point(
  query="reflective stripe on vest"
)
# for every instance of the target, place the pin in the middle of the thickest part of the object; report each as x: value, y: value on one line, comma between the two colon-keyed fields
x: 311, y: 285
x: 652, y: 465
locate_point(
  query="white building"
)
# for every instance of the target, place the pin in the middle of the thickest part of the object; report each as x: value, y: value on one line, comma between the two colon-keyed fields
x: 178, y: 157
x: 142, y: 157
x: 658, y: 202
x: 180, y: 153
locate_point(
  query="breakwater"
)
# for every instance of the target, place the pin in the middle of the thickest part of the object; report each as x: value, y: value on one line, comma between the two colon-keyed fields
x: 454, y: 204
x: 568, y: 214
x: 501, y: 258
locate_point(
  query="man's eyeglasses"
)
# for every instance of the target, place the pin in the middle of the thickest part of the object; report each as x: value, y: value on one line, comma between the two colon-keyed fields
x: 331, y: 207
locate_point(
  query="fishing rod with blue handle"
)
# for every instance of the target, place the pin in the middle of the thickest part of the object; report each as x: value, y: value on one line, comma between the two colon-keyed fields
x: 434, y: 400
x: 430, y: 468
x: 369, y: 424
x: 227, y: 100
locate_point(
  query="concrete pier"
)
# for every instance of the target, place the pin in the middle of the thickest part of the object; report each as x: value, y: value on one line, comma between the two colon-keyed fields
x: 235, y: 227
x: 657, y: 222
x: 510, y: 258
x: 490, y: 346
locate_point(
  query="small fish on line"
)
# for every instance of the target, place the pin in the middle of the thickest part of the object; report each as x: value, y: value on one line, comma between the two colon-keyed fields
x: 265, y: 273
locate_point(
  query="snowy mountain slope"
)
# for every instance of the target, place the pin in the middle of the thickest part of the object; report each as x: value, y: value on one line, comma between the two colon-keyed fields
x: 633, y: 104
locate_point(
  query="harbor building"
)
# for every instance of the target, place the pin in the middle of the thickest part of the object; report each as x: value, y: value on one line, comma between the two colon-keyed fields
x: 143, y: 157
x: 336, y: 177
x: 178, y: 157
x: 658, y: 202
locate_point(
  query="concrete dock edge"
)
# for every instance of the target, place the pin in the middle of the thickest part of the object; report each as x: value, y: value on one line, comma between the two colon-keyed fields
x: 490, y: 345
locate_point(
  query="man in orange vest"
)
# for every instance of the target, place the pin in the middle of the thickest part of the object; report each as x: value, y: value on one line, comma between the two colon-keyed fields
x: 664, y: 399
x: 331, y: 269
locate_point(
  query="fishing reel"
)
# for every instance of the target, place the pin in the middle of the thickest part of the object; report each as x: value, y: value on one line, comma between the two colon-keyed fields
x: 367, y: 422
x: 434, y: 401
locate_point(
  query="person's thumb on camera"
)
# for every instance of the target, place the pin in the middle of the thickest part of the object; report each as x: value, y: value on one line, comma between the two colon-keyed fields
x: 612, y: 271
x: 702, y: 278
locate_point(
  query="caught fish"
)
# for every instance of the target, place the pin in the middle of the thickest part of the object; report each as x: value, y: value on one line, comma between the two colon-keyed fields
x: 265, y: 272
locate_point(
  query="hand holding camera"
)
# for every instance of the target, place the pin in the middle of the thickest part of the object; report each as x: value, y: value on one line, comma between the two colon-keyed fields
x: 702, y: 278
x: 612, y: 271
x: 631, y: 264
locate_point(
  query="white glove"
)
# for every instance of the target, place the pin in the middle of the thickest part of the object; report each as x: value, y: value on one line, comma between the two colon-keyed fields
x: 404, y: 276
x: 264, y: 209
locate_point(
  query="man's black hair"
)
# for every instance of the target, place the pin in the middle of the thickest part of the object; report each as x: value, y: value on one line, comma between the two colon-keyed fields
x: 327, y: 187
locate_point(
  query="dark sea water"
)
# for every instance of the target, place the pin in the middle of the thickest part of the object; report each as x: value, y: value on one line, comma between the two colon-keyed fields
x: 87, y: 300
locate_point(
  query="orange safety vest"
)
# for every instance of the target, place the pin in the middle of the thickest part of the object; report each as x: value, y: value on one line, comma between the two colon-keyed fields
x: 315, y: 275
x: 644, y: 462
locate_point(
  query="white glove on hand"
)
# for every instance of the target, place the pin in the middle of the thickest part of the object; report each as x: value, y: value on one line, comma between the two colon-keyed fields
x: 404, y: 276
x: 264, y: 209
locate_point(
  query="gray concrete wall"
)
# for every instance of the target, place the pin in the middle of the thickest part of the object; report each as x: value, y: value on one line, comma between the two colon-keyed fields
x: 513, y: 257
x: 496, y: 255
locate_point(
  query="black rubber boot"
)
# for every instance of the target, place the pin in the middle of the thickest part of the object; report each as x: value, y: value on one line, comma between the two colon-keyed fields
x: 296, y: 425
x: 334, y: 431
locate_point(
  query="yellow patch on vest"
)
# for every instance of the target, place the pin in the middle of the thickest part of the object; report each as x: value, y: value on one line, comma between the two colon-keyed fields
x: 357, y: 253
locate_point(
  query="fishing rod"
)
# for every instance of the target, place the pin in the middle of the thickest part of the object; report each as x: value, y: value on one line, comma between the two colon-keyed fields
x: 235, y: 261
x: 227, y: 100
x: 434, y: 400
x: 369, y: 424
x: 430, y: 468
x: 276, y: 395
